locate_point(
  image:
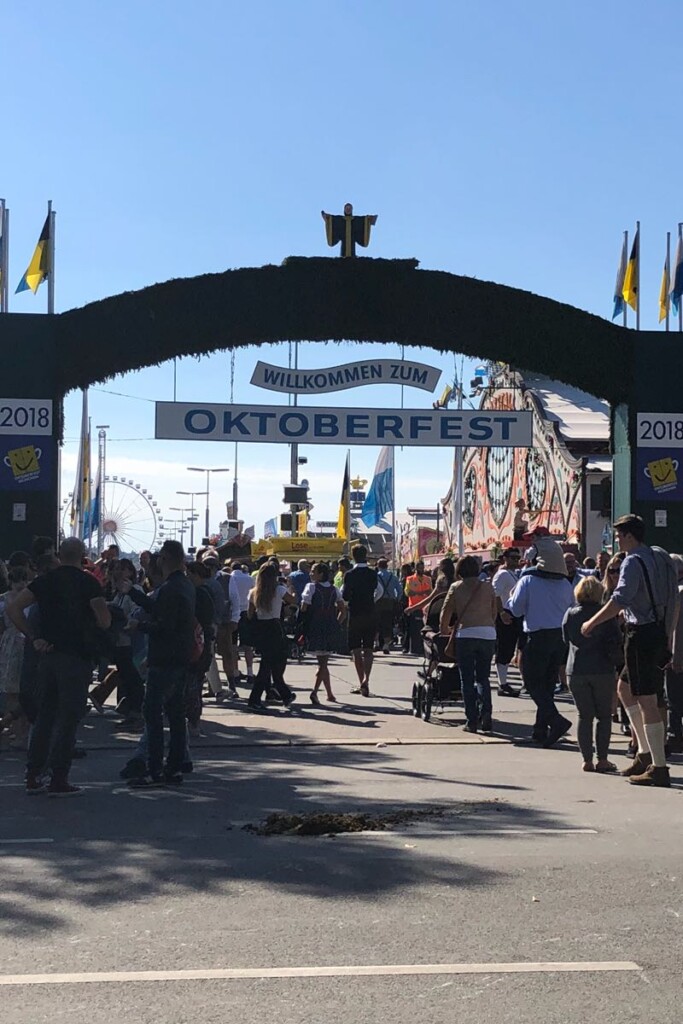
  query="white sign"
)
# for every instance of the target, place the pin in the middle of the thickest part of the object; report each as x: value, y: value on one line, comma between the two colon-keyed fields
x: 661, y: 517
x: 26, y: 416
x: 19, y: 512
x: 278, y: 424
x: 659, y: 430
x: 352, y: 375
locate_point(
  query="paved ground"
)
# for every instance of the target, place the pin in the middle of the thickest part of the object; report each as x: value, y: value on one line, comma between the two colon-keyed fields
x: 535, y: 863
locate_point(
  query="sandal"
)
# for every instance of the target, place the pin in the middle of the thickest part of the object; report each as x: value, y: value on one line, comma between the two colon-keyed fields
x: 588, y: 766
x: 365, y: 690
x: 315, y: 699
x: 605, y: 767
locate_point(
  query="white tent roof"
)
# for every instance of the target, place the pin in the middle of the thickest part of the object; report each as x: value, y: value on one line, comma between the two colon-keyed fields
x: 580, y: 416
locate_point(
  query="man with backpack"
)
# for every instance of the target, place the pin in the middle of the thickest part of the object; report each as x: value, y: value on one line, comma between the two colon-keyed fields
x: 387, y: 595
x: 647, y: 594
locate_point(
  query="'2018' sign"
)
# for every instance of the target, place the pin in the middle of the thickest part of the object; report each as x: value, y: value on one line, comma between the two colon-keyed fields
x: 25, y: 416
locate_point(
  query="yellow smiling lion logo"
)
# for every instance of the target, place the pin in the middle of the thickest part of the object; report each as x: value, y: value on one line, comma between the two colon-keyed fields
x: 662, y: 474
x: 24, y: 463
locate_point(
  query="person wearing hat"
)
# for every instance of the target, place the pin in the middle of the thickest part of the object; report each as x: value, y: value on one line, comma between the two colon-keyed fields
x: 507, y: 633
x: 541, y: 599
x: 647, y: 594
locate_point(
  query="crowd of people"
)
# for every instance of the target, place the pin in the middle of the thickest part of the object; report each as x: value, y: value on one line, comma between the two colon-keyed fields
x: 154, y: 630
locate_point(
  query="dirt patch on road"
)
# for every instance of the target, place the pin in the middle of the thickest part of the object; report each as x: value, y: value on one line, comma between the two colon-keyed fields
x: 325, y: 824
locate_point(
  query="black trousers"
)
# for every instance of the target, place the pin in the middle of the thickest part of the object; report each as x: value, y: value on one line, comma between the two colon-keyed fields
x: 271, y: 642
x: 674, y: 699
x: 130, y: 687
x: 506, y: 640
x: 543, y: 654
x: 63, y: 681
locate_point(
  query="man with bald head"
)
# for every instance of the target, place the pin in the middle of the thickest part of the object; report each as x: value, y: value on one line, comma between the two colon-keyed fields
x: 72, y: 610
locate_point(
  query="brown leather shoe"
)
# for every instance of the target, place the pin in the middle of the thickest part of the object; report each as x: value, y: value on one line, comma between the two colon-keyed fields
x: 652, y: 777
x: 638, y: 765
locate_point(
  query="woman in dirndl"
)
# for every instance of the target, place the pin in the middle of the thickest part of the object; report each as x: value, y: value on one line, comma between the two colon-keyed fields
x: 323, y: 611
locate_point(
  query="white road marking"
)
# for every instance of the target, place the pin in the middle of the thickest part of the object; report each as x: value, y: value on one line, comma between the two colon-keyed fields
x: 354, y: 971
x: 4, y: 842
x: 417, y: 833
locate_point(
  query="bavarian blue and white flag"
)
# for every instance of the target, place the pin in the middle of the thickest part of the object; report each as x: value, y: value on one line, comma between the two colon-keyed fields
x: 677, y: 277
x: 380, y: 496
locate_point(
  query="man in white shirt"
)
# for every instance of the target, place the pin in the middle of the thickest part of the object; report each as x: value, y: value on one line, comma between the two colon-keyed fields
x: 507, y: 633
x: 243, y: 582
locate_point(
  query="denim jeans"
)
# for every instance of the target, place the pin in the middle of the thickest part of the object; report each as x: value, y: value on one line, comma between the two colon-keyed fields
x: 543, y: 654
x: 474, y: 660
x: 63, y: 681
x: 165, y: 693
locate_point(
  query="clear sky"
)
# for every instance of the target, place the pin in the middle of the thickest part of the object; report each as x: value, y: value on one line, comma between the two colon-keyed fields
x: 510, y: 141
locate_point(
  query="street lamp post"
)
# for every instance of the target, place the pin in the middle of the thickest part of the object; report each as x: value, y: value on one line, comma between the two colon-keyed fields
x: 191, y: 519
x: 192, y: 495
x: 208, y: 471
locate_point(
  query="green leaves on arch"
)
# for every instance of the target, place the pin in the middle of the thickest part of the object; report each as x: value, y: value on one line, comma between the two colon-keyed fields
x: 332, y: 299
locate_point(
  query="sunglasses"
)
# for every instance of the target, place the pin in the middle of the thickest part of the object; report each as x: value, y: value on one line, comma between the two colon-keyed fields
x: 613, y: 572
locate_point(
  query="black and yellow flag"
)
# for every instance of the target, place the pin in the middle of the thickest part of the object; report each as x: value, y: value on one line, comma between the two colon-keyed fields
x: 632, y: 275
x: 343, y: 522
x: 39, y: 267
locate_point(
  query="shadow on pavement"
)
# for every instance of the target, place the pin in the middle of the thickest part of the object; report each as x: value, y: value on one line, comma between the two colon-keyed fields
x: 113, y: 846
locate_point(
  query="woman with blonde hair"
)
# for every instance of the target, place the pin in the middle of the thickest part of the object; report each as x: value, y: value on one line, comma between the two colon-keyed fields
x: 591, y: 673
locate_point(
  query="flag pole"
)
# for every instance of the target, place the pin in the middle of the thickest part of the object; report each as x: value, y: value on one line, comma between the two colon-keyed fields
x: 101, y: 470
x: 668, y: 276
x: 347, y: 502
x: 4, y: 262
x: 680, y: 306
x: 5, y: 235
x: 625, y: 304
x: 82, y: 468
x: 3, y: 246
x: 393, y: 508
x: 51, y: 259
x: 638, y: 276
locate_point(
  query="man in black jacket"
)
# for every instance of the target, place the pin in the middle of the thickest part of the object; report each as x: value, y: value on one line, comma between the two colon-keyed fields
x: 171, y: 639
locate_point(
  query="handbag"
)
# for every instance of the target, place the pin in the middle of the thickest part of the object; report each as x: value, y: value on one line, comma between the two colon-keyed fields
x: 450, y: 649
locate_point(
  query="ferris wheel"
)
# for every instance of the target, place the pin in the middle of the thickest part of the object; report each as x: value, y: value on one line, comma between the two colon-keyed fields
x: 130, y: 517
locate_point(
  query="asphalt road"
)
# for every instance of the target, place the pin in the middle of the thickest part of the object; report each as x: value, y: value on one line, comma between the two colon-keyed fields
x: 533, y: 862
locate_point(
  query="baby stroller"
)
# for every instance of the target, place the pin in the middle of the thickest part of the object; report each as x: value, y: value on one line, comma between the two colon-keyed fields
x: 439, y: 679
x: 296, y: 641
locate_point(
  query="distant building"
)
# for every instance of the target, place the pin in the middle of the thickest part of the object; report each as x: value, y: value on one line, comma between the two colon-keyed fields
x: 563, y: 482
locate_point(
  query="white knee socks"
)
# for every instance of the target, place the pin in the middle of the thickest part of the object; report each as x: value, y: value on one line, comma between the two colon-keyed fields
x: 635, y: 717
x: 655, y: 734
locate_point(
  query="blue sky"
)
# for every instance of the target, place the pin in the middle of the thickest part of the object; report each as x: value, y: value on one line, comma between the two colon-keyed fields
x: 512, y: 141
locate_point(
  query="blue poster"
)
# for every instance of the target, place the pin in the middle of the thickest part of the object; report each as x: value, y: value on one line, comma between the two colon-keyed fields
x: 27, y: 463
x: 659, y: 474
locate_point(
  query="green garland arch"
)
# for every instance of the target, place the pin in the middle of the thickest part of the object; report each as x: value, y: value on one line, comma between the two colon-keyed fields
x: 332, y: 299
